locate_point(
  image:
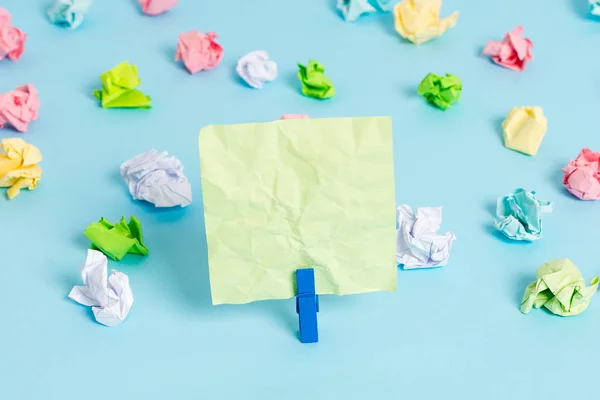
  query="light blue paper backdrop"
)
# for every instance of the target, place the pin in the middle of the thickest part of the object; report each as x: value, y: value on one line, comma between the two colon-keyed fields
x: 454, y: 332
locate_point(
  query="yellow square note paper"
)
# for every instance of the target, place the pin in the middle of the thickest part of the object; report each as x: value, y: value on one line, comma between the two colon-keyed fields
x: 304, y: 193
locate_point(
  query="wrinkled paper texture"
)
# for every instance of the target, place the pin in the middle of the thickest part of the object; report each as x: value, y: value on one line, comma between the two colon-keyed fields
x: 255, y: 69
x: 419, y: 20
x: 116, y: 240
x: 582, y: 175
x: 118, y: 88
x: 440, y: 91
x: 68, y: 13
x: 560, y: 288
x: 199, y: 52
x: 314, y: 81
x: 513, y: 52
x: 158, y: 179
x: 595, y: 7
x: 18, y: 166
x: 352, y: 9
x: 110, y: 297
x: 12, y: 40
x: 520, y: 215
x: 418, y: 245
x: 19, y: 107
x: 524, y: 128
x: 299, y: 193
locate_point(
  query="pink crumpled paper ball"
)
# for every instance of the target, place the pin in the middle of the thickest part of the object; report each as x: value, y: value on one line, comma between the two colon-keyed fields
x: 12, y: 40
x: 582, y: 175
x: 157, y: 7
x: 294, y: 116
x: 514, y: 52
x: 198, y: 52
x: 19, y: 107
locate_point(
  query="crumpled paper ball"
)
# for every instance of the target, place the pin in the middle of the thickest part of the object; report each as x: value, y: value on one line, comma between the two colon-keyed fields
x: 199, y: 52
x: 520, y: 215
x: 352, y: 9
x: 524, y: 129
x: 12, y: 40
x: 419, y: 20
x: 513, y: 52
x: 19, y: 107
x: 560, y: 288
x: 418, y: 243
x: 110, y: 297
x: 594, y: 7
x: 582, y: 175
x: 156, y: 7
x: 116, y: 240
x: 440, y: 91
x: 18, y: 166
x: 119, y: 88
x: 314, y: 82
x: 158, y: 179
x: 68, y: 13
x: 255, y: 69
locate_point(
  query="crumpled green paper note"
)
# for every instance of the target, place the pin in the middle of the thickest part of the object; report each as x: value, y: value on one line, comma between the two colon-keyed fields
x: 520, y: 215
x: 441, y: 91
x: 118, y: 88
x: 560, y: 288
x: 314, y: 82
x: 299, y: 193
x: 116, y: 240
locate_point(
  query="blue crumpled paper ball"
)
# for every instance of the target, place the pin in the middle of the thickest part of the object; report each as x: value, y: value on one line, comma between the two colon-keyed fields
x: 68, y: 13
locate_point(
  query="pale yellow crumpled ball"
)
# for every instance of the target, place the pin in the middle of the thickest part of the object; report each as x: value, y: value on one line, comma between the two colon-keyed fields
x: 419, y: 20
x: 524, y: 129
x: 18, y: 166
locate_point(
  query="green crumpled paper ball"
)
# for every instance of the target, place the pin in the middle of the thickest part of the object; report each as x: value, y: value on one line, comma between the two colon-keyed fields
x: 118, y: 88
x: 560, y: 288
x: 116, y: 240
x: 314, y: 82
x: 440, y: 91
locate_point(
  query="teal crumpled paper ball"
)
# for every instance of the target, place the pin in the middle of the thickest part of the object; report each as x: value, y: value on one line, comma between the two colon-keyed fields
x: 595, y: 7
x: 520, y: 215
x: 69, y: 13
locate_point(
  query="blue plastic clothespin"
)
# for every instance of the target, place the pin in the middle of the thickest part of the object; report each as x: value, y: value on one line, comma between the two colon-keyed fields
x: 307, y: 305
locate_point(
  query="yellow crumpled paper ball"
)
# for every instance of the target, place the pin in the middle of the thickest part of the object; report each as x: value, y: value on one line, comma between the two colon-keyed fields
x: 524, y: 128
x: 18, y: 166
x: 419, y: 20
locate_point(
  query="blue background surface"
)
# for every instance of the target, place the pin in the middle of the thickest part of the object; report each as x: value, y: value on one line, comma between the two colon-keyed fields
x: 454, y: 332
